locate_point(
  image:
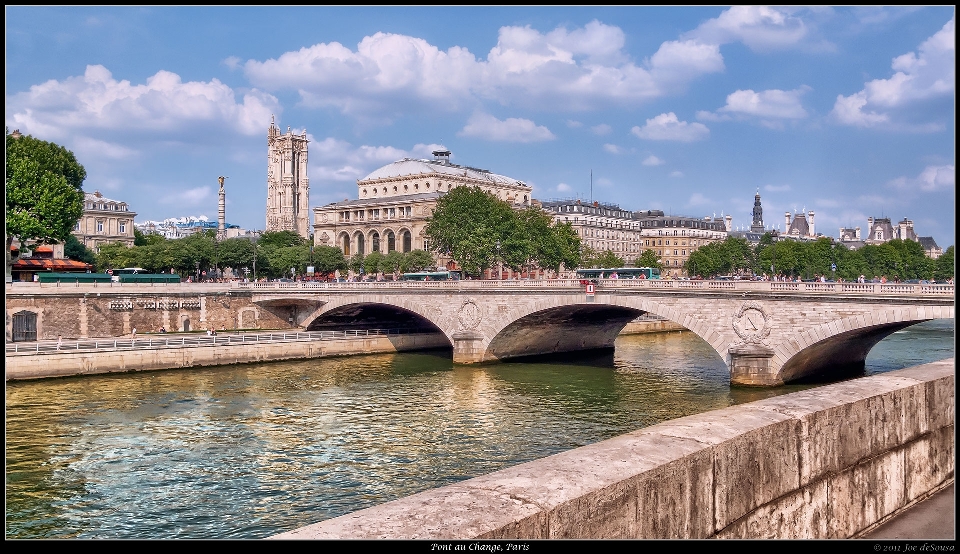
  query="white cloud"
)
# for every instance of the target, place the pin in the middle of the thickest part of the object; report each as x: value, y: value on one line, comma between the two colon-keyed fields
x: 337, y: 160
x: 666, y: 126
x: 512, y: 129
x: 776, y: 188
x: 929, y: 74
x: 653, y: 160
x: 612, y: 148
x: 602, y: 129
x: 697, y: 199
x: 676, y: 174
x: 933, y: 178
x: 759, y: 27
x: 162, y: 105
x: 233, y: 62
x: 766, y: 104
x: 573, y: 124
x: 87, y: 148
x: 562, y: 69
x: 563, y: 187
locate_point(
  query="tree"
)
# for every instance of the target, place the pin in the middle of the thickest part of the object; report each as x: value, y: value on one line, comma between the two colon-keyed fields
x: 608, y: 259
x: 392, y: 262
x: 945, y: 268
x: 75, y: 250
x: 44, y: 192
x: 327, y: 259
x: 356, y: 263
x: 417, y: 260
x: 649, y: 259
x: 477, y: 230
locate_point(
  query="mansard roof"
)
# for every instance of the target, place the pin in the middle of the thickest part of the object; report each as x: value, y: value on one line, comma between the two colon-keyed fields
x: 414, y: 167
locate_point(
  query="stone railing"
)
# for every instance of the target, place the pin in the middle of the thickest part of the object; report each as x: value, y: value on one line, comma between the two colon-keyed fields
x: 532, y: 285
x: 832, y: 462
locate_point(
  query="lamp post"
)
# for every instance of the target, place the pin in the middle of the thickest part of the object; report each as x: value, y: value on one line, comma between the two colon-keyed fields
x: 254, y: 255
x: 499, y: 263
x: 197, y: 265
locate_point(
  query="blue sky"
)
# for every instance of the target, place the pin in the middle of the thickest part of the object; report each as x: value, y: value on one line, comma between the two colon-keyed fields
x: 846, y: 111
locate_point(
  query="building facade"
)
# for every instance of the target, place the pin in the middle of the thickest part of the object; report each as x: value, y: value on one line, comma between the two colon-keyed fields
x: 288, y: 186
x: 882, y: 229
x: 104, y: 221
x: 801, y: 226
x: 628, y: 234
x: 394, y: 203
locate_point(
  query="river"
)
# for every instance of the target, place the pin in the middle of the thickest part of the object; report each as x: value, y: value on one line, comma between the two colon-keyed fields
x: 250, y: 451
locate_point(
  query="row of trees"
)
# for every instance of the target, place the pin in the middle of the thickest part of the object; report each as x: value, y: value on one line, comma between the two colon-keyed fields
x: 896, y: 259
x: 273, y: 255
x: 481, y: 232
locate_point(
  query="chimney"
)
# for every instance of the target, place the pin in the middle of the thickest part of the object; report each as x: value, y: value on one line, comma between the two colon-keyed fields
x: 812, y: 232
x: 728, y: 222
x: 786, y: 225
x: 858, y: 233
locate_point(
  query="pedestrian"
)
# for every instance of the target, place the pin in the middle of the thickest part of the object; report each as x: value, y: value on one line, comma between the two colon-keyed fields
x: 59, y: 341
x: 163, y: 330
x: 134, y: 332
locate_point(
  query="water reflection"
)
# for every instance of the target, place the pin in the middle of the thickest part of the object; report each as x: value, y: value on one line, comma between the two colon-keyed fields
x: 249, y: 451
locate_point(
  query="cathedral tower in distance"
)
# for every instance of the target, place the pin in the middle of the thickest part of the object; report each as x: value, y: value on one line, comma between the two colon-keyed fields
x: 288, y: 187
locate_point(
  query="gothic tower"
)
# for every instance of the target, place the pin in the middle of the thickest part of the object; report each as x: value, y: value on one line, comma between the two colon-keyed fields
x: 288, y: 187
x: 757, y: 226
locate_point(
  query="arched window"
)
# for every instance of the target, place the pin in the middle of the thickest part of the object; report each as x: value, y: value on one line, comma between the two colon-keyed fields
x: 375, y: 242
x: 360, y: 245
x: 391, y: 242
x: 345, y: 242
x: 407, y: 241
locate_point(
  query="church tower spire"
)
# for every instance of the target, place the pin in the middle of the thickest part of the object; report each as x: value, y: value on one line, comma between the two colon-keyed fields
x: 288, y: 187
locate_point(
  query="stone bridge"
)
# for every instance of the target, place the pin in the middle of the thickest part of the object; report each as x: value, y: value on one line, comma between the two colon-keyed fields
x: 769, y: 333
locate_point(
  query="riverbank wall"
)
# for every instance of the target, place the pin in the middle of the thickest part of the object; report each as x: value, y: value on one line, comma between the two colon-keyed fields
x: 65, y: 364
x: 651, y: 326
x: 831, y: 462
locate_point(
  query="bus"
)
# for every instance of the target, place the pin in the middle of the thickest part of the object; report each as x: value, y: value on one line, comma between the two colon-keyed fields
x: 621, y: 273
x: 432, y: 276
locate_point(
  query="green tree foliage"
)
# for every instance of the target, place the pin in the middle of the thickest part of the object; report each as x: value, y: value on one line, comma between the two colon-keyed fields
x: 328, y: 259
x: 356, y: 263
x: 417, y: 260
x: 392, y: 263
x: 648, y: 258
x: 235, y: 253
x: 477, y: 230
x: 945, y: 268
x: 371, y: 263
x: 608, y: 259
x: 75, y: 250
x: 44, y: 194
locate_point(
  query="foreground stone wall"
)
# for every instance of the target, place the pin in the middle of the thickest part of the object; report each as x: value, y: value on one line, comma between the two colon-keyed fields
x: 830, y: 462
x: 64, y: 364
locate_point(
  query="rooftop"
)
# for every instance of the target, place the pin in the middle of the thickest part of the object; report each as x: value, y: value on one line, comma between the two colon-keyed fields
x: 411, y: 166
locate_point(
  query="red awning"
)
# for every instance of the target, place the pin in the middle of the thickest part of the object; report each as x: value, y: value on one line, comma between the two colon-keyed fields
x: 46, y: 264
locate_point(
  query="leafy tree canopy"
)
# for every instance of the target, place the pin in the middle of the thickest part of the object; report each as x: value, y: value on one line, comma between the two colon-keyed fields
x: 44, y: 195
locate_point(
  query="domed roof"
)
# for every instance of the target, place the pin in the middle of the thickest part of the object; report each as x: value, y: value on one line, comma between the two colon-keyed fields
x: 413, y: 167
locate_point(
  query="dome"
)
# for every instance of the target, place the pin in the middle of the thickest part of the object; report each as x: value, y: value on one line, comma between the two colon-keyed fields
x: 412, y: 167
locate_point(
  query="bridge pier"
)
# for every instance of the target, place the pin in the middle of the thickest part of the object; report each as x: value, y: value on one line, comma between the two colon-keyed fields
x: 751, y: 365
x: 468, y: 347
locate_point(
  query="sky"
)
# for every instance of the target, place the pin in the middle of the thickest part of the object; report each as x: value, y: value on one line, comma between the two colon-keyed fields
x: 845, y: 111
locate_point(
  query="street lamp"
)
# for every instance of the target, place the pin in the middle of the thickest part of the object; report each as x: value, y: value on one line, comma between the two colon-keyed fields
x: 197, y: 265
x: 254, y: 255
x: 499, y: 263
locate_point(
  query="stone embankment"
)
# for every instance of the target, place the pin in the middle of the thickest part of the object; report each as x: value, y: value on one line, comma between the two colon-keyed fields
x: 67, y: 363
x: 830, y: 462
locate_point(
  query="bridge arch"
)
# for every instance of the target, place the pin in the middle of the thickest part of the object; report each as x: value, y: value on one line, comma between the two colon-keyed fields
x: 554, y: 319
x: 376, y: 312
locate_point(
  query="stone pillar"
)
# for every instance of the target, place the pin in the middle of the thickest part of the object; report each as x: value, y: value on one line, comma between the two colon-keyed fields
x: 468, y: 347
x: 750, y: 366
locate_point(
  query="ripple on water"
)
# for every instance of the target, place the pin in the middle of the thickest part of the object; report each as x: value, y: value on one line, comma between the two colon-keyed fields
x: 250, y: 451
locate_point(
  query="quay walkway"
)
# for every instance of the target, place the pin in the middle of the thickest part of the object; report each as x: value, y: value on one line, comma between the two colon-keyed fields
x: 186, y: 340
